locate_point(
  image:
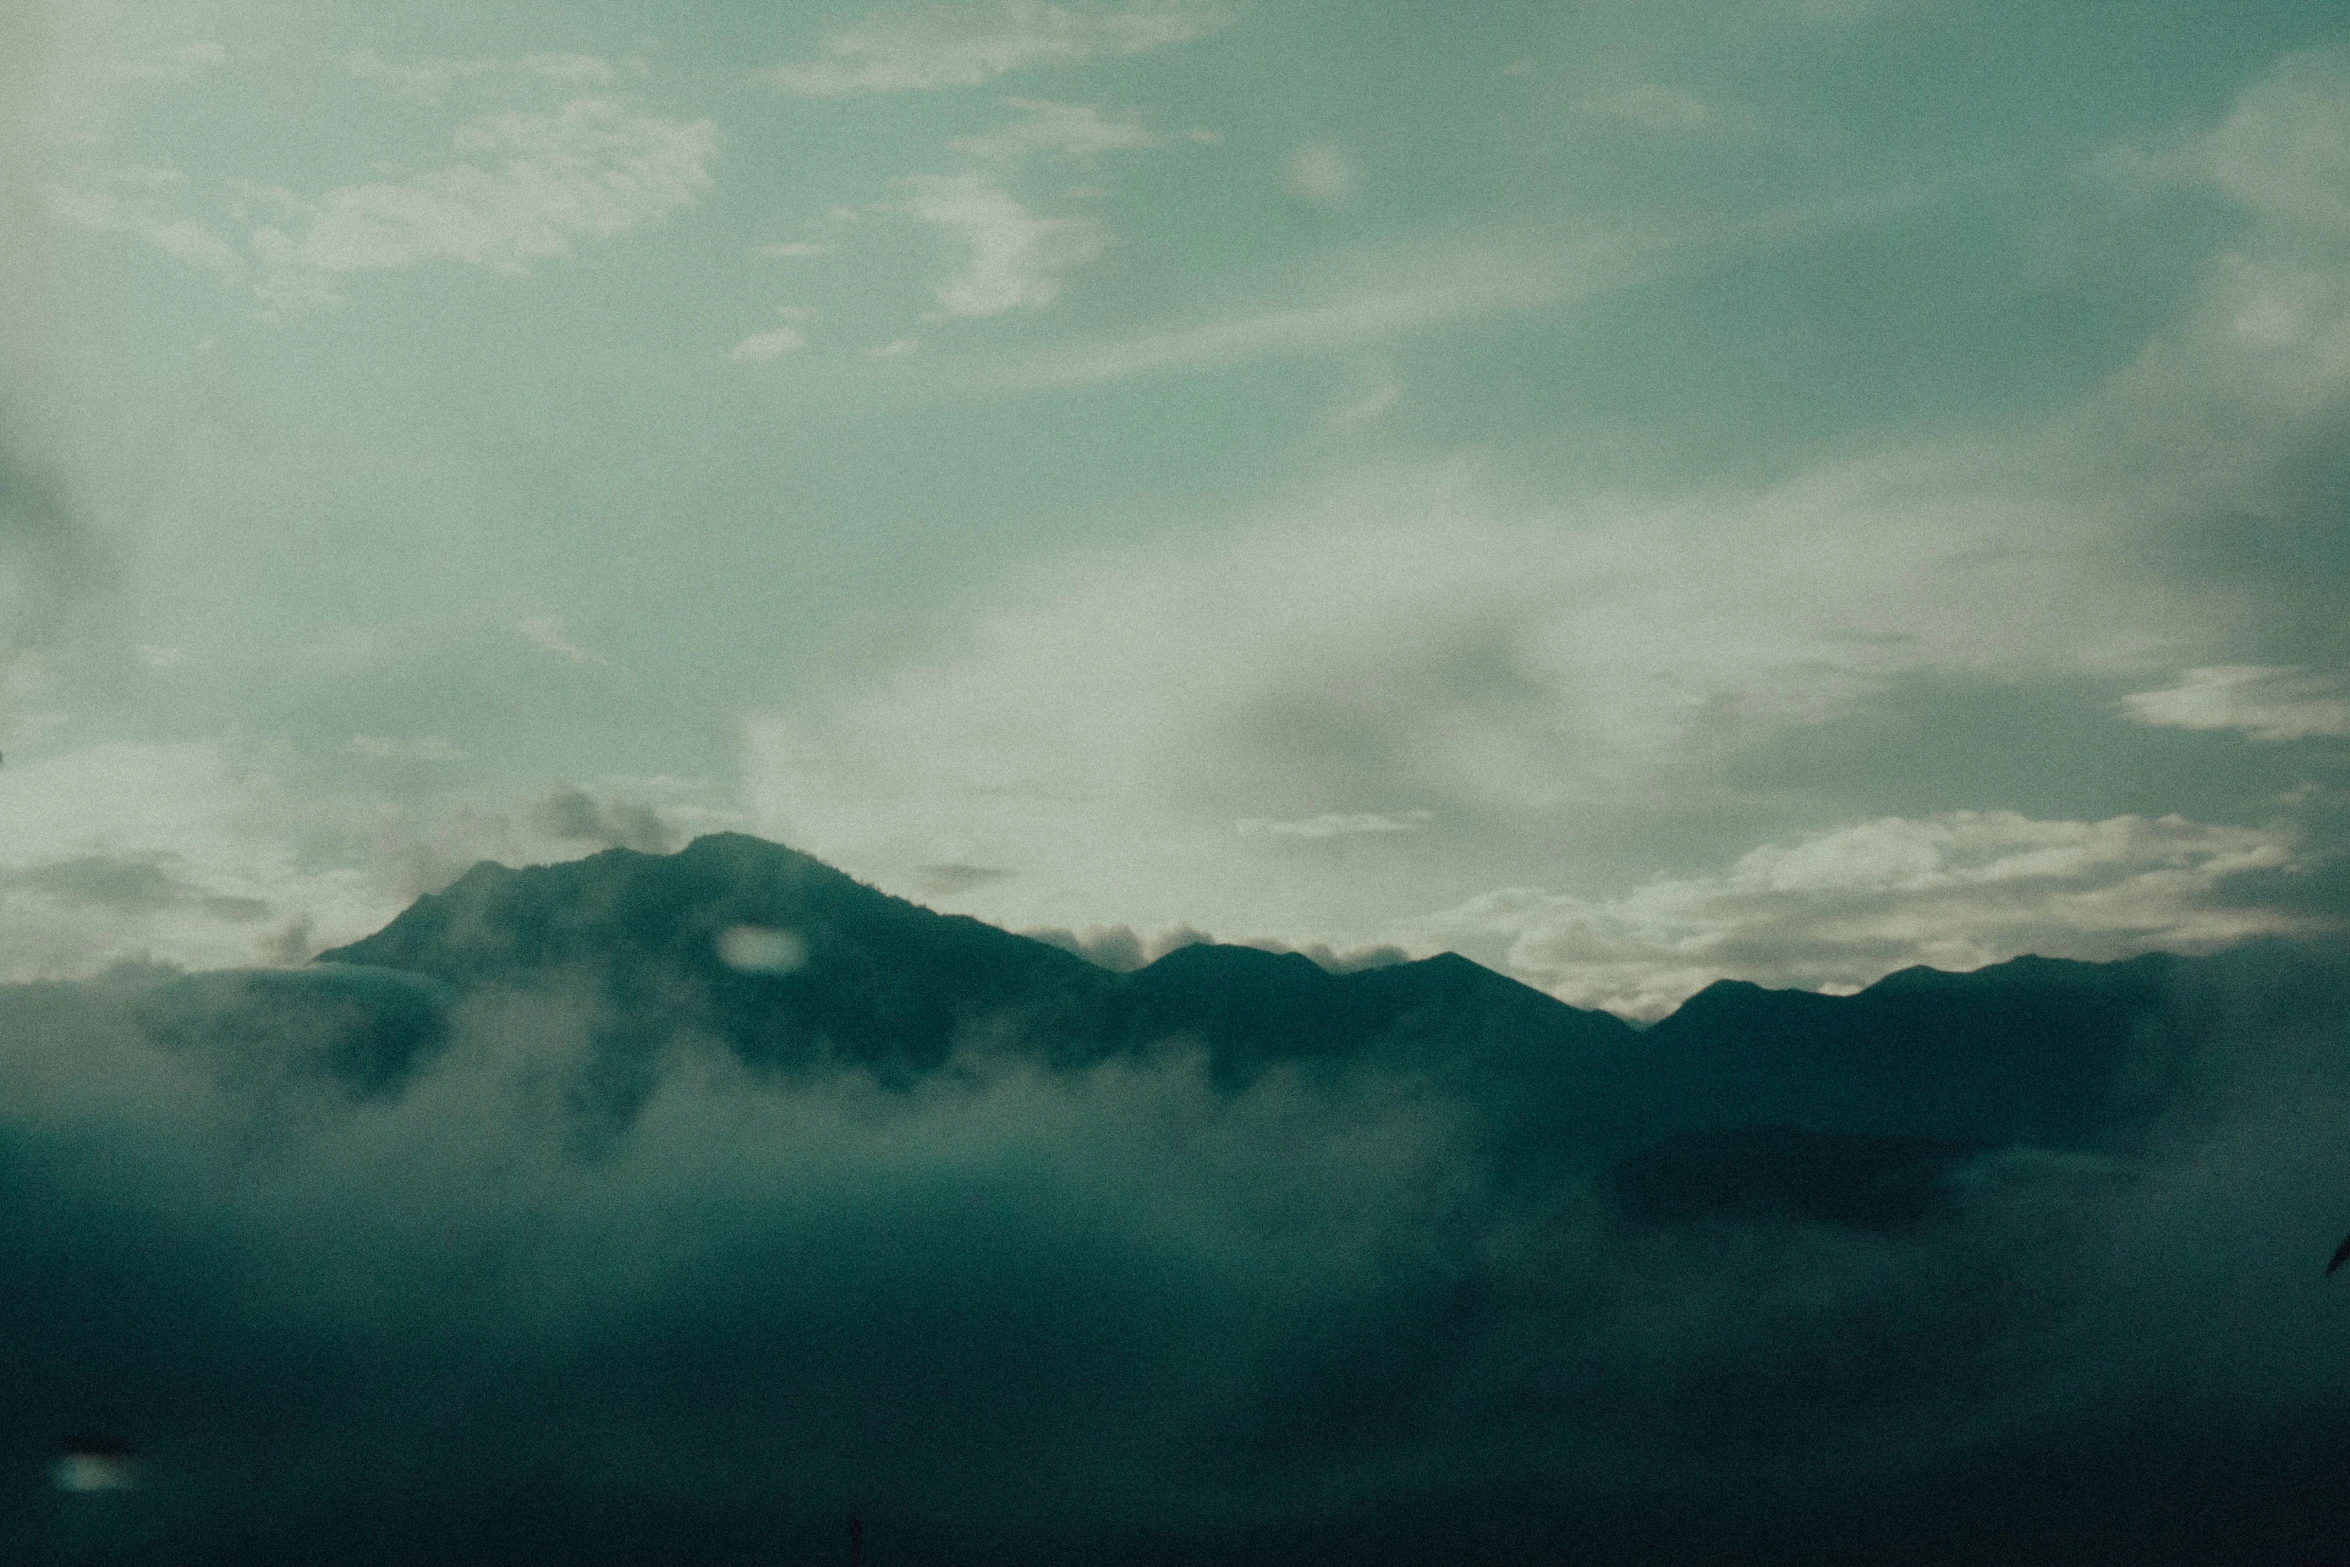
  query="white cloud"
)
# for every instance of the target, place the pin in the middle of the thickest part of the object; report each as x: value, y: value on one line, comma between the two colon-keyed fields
x: 428, y: 80
x: 1321, y: 173
x: 186, y: 239
x: 169, y: 852
x: 761, y: 949
x: 793, y: 250
x: 895, y: 348
x: 762, y: 347
x: 427, y: 748
x: 537, y: 183
x: 2284, y: 150
x: 1842, y: 909
x: 1100, y: 728
x: 424, y: 81
x: 546, y: 631
x: 185, y: 854
x: 581, y: 69
x: 1454, y: 282
x: 1017, y: 260
x: 2261, y: 701
x: 1075, y: 132
x: 1333, y: 825
x: 963, y: 46
x: 182, y: 64
x: 197, y: 245
x: 1654, y: 107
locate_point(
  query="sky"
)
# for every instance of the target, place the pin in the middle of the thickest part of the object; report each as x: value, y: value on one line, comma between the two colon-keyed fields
x: 1630, y: 493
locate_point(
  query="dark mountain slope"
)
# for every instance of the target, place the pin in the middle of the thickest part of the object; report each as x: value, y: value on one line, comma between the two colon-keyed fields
x: 1253, y: 1008
x: 2035, y: 1050
x: 848, y: 972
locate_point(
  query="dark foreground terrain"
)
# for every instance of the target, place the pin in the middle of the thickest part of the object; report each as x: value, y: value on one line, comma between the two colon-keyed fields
x: 674, y: 1208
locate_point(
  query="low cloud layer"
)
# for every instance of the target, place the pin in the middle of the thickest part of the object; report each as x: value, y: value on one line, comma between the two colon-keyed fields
x: 351, y: 1291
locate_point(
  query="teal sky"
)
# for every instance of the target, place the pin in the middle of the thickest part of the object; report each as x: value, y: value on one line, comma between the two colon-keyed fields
x: 1633, y: 493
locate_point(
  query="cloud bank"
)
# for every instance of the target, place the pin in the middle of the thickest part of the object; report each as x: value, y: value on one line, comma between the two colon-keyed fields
x: 322, y: 1252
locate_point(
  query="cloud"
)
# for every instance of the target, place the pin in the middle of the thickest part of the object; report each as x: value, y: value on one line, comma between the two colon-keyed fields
x: 428, y: 80
x: 1335, y: 960
x: 1074, y: 132
x: 186, y: 239
x: 1844, y: 908
x: 2284, y: 149
x: 944, y: 881
x: 1017, y: 260
x: 186, y: 63
x: 132, y: 884
x: 322, y: 1246
x: 2262, y: 703
x: 773, y: 344
x: 53, y: 566
x: 1454, y: 282
x: 1556, y: 683
x: 1333, y: 826
x: 794, y: 250
x: 1321, y: 173
x: 164, y: 852
x: 423, y: 81
x: 546, y: 631
x: 425, y: 748
x: 758, y: 949
x: 534, y: 185
x: 963, y: 46
x: 1654, y: 107
x: 178, y: 854
x: 569, y: 813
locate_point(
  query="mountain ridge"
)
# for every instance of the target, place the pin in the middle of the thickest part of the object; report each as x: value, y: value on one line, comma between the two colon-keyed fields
x: 2036, y: 1049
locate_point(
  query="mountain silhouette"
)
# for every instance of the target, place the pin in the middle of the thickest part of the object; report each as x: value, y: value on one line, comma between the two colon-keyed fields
x: 796, y: 967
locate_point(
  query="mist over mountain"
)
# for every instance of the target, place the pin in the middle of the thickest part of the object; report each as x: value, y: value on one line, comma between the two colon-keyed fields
x: 673, y: 1207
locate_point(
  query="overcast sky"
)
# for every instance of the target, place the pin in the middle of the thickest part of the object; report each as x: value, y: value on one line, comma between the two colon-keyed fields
x: 1633, y: 493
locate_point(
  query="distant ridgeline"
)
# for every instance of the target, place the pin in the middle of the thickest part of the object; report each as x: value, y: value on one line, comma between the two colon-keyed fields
x: 795, y: 967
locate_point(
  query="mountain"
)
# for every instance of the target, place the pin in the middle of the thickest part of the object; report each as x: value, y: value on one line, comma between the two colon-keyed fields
x: 2035, y: 1050
x: 796, y: 966
x: 787, y: 960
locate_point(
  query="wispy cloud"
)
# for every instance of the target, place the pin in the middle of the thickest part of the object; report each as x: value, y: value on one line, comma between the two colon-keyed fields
x: 1334, y: 826
x: 2284, y: 149
x: 2261, y: 701
x: 534, y: 185
x: 1323, y: 173
x: 1467, y: 283
x: 189, y: 240
x: 964, y: 46
x: 546, y: 631
x: 1076, y: 132
x: 763, y: 347
x: 427, y: 748
x: 1015, y: 259
x: 774, y: 343
x: 1841, y: 909
x: 428, y: 80
x: 185, y: 63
